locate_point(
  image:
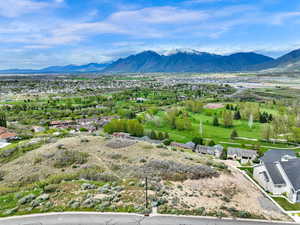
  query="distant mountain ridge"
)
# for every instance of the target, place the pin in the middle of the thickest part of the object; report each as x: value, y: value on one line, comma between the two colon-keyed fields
x: 182, y: 60
x: 91, y: 67
x: 289, y: 62
x: 150, y: 61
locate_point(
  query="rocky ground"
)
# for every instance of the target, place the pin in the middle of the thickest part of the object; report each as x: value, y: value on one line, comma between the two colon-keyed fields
x: 98, y: 174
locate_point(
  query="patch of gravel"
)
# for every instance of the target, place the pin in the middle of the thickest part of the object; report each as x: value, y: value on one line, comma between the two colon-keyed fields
x: 120, y: 143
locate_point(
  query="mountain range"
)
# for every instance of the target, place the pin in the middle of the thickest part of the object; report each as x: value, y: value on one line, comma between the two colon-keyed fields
x: 182, y: 61
x: 91, y: 67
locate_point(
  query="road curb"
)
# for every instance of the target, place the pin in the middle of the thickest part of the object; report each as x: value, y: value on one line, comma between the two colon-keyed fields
x: 69, y: 213
x: 141, y: 215
x: 226, y: 218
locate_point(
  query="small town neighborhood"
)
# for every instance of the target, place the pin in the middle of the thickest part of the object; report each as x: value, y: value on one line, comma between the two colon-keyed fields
x: 203, y: 155
x: 276, y: 171
x: 149, y: 112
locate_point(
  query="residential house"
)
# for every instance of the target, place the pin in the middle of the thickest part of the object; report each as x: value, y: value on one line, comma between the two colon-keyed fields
x: 62, y: 124
x: 244, y: 155
x: 140, y: 100
x: 216, y: 150
x: 38, y: 129
x: 188, y: 145
x: 121, y: 135
x: 278, y: 173
x: 6, y: 136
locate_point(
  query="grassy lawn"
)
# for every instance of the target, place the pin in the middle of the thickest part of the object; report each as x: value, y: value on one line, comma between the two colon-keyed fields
x: 9, y: 201
x: 249, y: 170
x: 286, y: 205
x: 219, y: 134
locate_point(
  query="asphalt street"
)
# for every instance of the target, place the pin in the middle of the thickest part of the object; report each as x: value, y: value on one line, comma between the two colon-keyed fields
x: 122, y: 219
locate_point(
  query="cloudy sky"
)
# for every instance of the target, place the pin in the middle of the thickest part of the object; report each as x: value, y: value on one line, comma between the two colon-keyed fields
x: 40, y: 33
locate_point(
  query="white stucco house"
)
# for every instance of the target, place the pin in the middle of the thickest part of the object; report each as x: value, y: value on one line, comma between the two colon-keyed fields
x: 279, y: 173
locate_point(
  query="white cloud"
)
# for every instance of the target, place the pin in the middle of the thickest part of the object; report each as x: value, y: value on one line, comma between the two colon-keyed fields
x: 13, y: 8
x: 280, y: 18
x: 16, y: 8
x: 158, y: 15
x: 201, y: 1
x: 157, y: 22
x: 145, y: 23
x: 132, y: 29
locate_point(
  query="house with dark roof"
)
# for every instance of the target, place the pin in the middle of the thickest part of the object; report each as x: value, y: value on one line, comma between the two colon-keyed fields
x: 188, y: 145
x: 244, y: 155
x: 279, y: 173
x: 216, y: 150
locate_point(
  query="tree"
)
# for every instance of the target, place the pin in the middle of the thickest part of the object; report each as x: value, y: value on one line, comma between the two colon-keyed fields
x: 211, y: 143
x: 227, y: 118
x: 234, y: 134
x: 216, y: 121
x: 194, y: 106
x: 237, y: 115
x: 296, y: 134
x: 197, y: 141
x: 153, y: 135
x: 133, y: 127
x: 160, y: 136
x: 171, y: 116
x: 183, y: 124
x: 267, y: 132
x: 3, y: 122
x: 167, y: 135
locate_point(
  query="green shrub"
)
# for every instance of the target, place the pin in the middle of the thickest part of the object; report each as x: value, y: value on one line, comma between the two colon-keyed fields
x: 96, y: 174
x: 57, y: 178
x: 167, y: 142
x: 51, y: 188
x: 64, y: 158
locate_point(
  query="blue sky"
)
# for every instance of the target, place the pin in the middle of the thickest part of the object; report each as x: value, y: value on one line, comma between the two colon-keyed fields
x: 40, y: 33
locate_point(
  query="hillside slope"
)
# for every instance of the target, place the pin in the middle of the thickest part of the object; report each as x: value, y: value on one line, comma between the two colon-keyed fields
x: 91, y: 173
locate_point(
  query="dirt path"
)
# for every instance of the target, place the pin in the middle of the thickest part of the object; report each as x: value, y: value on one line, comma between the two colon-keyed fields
x: 103, y: 163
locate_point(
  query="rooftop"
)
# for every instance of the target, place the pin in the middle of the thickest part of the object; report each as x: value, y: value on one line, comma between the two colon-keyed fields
x: 292, y: 170
x: 276, y: 155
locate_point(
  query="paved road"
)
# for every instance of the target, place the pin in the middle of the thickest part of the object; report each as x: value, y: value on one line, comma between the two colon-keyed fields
x: 121, y: 219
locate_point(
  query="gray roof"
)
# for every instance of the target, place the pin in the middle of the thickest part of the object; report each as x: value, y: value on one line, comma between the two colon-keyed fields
x: 292, y: 170
x: 276, y: 155
x: 209, y: 150
x: 274, y: 173
x: 190, y: 144
x: 241, y: 152
x: 219, y: 147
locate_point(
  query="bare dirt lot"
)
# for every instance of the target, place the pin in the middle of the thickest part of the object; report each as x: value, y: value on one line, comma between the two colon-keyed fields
x: 172, y: 183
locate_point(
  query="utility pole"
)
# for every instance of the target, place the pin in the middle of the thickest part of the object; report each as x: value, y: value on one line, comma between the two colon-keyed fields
x: 146, y: 194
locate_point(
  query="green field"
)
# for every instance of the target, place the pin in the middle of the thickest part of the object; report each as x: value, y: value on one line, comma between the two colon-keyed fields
x: 219, y: 134
x: 286, y: 205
